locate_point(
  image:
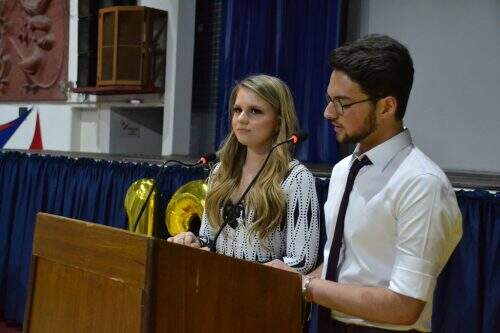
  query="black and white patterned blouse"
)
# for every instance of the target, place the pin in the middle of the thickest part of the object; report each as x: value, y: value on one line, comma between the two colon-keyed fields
x: 295, y: 241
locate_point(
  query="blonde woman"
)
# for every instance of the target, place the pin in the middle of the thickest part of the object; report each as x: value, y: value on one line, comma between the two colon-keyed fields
x: 277, y: 221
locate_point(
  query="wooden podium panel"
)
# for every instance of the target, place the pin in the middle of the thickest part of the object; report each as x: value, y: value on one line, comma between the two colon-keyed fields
x: 87, y: 278
x: 199, y: 291
x: 91, y: 278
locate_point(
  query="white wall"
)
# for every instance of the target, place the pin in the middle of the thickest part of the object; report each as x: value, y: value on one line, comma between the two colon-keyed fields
x: 453, y: 112
x: 136, y: 131
x: 179, y: 73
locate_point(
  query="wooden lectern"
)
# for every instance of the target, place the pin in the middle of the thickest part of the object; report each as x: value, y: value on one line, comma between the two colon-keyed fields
x: 92, y: 278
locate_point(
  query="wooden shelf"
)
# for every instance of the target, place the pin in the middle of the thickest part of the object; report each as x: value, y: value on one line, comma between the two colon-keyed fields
x: 117, y: 90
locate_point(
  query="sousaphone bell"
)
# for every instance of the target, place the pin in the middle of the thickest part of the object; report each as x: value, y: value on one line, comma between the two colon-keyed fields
x: 185, y: 208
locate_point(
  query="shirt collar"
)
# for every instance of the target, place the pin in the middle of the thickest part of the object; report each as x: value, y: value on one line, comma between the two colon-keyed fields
x: 383, y: 153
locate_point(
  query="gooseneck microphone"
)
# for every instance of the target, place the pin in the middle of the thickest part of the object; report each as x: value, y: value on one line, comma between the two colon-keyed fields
x: 294, y: 139
x: 204, y: 160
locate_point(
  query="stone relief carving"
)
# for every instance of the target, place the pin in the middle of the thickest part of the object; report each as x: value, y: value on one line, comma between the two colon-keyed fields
x: 33, y: 49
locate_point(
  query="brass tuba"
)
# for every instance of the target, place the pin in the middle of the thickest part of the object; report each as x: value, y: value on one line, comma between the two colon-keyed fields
x: 134, y: 199
x: 185, y: 208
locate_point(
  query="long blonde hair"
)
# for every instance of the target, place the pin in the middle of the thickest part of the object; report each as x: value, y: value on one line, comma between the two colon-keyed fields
x: 266, y: 197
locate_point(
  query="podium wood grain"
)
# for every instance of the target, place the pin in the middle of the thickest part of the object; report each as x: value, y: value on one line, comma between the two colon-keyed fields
x: 91, y: 278
x: 86, y: 278
x: 199, y: 291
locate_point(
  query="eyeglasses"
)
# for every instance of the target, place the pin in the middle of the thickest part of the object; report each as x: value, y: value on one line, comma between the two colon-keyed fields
x: 340, y: 108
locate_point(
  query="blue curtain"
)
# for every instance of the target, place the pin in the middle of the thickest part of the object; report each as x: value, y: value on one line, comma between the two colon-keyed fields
x: 290, y: 40
x: 78, y: 188
x: 467, y: 298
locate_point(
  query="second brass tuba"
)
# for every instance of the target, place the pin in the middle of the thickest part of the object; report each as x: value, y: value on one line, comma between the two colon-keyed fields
x: 185, y: 208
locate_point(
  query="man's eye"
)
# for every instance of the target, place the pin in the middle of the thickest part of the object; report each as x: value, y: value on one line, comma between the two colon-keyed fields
x: 338, y: 102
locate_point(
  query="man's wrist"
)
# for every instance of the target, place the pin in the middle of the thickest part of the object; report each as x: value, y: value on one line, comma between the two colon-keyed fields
x: 306, y: 287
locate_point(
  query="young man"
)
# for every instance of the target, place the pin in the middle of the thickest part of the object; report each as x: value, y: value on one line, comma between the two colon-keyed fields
x: 392, y: 217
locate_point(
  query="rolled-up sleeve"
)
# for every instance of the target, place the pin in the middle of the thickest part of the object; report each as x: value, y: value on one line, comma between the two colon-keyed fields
x: 429, y: 226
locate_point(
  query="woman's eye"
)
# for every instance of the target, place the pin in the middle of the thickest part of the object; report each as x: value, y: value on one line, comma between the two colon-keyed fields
x: 236, y: 110
x: 256, y: 111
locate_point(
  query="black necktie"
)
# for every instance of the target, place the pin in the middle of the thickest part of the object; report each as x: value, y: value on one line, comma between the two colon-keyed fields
x: 333, y: 258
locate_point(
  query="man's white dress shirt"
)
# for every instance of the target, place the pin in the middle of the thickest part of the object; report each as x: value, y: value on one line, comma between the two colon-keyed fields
x: 401, y: 226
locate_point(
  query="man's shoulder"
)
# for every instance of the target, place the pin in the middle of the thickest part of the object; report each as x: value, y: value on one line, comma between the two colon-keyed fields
x: 418, y: 164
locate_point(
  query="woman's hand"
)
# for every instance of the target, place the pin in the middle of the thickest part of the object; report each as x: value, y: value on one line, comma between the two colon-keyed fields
x: 185, y: 238
x: 276, y: 263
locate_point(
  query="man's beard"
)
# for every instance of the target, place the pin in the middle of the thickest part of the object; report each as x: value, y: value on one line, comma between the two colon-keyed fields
x: 369, y: 126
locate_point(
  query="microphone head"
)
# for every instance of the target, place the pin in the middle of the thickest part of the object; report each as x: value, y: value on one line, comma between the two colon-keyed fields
x: 299, y: 137
x: 207, y: 158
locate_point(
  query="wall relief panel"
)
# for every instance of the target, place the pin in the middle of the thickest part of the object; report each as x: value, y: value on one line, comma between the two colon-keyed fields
x: 33, y: 49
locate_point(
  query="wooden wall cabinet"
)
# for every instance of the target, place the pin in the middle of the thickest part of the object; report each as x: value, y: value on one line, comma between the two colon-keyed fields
x: 131, y: 47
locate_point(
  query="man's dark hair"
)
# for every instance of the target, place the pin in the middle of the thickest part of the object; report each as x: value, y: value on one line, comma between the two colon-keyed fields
x: 380, y: 65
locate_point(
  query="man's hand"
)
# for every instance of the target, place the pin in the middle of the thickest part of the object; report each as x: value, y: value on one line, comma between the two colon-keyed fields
x: 185, y: 238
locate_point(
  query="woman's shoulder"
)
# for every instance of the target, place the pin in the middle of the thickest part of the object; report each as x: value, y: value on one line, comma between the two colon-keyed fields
x: 213, y: 170
x: 216, y: 166
x: 298, y: 171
